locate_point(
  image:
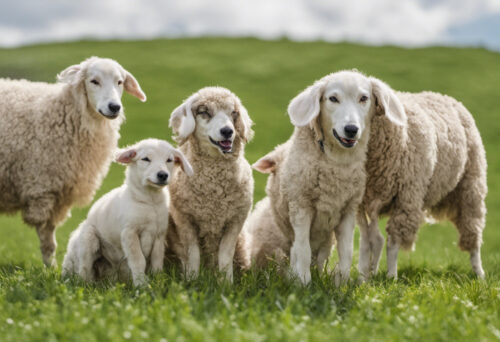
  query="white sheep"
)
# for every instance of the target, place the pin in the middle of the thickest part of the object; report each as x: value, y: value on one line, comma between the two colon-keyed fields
x: 317, y: 178
x: 127, y: 226
x: 57, y: 142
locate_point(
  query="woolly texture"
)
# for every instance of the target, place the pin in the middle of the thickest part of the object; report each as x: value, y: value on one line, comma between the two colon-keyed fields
x: 213, y: 204
x: 329, y: 184
x: 55, y: 151
x: 434, y: 164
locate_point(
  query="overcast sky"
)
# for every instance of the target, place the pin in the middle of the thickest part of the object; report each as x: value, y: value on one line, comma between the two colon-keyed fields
x: 400, y: 22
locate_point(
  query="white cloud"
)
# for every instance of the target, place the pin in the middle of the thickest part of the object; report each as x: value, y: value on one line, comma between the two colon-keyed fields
x: 401, y: 22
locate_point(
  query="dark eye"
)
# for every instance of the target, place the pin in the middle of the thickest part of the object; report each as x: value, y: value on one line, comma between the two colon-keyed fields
x: 333, y: 99
x: 94, y: 82
x: 169, y: 160
x: 146, y: 159
x: 363, y: 98
x: 120, y: 82
x: 235, y: 115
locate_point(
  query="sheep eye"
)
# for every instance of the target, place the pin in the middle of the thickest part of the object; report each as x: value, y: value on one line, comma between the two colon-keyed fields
x: 120, y: 82
x: 169, y: 160
x: 203, y: 111
x: 333, y: 99
x: 94, y: 82
x: 363, y: 98
x: 146, y: 159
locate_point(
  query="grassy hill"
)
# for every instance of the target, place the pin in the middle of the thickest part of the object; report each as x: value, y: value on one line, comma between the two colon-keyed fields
x: 436, y: 297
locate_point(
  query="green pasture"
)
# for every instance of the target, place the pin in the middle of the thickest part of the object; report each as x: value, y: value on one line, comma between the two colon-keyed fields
x: 436, y: 298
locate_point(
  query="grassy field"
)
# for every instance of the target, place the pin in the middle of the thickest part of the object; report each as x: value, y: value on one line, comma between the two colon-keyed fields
x: 436, y: 297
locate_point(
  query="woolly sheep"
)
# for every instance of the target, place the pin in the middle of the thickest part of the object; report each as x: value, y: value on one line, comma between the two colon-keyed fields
x: 432, y: 164
x: 57, y: 141
x: 317, y: 178
x: 209, y: 209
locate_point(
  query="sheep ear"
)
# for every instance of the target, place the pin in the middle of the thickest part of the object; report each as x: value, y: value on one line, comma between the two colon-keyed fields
x: 180, y: 160
x: 387, y: 102
x: 182, y: 119
x: 306, y: 106
x: 244, y: 125
x: 266, y: 164
x: 132, y: 87
x: 71, y: 75
x: 126, y: 156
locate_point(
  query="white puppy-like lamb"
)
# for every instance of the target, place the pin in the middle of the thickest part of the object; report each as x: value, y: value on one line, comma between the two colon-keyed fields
x: 317, y: 178
x: 57, y: 142
x: 127, y: 226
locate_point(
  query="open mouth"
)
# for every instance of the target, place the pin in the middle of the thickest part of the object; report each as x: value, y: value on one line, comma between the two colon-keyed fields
x: 344, y: 141
x: 109, y: 116
x: 226, y: 146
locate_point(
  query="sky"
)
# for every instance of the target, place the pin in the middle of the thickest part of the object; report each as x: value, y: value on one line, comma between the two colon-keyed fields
x: 407, y: 23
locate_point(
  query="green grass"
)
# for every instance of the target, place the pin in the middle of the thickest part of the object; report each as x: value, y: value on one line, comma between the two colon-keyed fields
x: 436, y: 297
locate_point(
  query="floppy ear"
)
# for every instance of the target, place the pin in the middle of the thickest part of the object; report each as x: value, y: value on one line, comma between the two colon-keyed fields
x: 266, y: 164
x: 182, y: 119
x: 72, y: 74
x: 387, y: 102
x: 180, y: 160
x: 132, y: 87
x: 126, y: 156
x: 244, y: 125
x: 306, y: 106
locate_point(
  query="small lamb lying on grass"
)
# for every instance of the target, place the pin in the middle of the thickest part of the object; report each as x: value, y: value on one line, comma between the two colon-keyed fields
x: 128, y: 225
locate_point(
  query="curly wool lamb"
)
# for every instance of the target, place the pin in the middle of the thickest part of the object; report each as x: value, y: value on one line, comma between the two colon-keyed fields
x: 433, y: 164
x: 317, y: 178
x: 208, y: 210
x: 57, y: 142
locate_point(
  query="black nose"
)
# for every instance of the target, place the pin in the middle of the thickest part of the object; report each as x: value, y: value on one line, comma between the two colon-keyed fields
x: 226, y: 132
x: 162, y: 176
x: 350, y: 131
x: 114, y: 107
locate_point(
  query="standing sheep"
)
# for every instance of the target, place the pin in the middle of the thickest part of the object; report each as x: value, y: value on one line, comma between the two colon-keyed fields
x: 57, y: 142
x: 317, y: 178
x: 208, y: 210
x: 434, y: 163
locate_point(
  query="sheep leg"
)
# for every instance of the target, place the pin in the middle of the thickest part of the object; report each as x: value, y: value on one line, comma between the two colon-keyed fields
x: 344, y: 233
x: 192, y: 264
x: 468, y: 200
x: 392, y: 257
x: 376, y: 243
x: 136, y: 261
x: 401, y: 229
x: 470, y: 230
x: 88, y: 249
x: 227, y: 247
x: 38, y: 213
x: 158, y: 253
x: 48, y: 244
x: 364, y: 247
x: 300, y: 253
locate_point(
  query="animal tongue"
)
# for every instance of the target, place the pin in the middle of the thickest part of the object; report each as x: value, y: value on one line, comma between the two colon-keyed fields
x: 225, y: 143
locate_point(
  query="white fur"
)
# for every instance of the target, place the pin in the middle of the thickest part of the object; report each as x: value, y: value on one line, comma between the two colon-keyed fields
x: 317, y: 178
x: 61, y: 137
x: 128, y: 224
x: 104, y: 81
